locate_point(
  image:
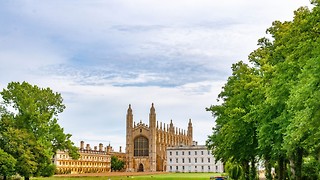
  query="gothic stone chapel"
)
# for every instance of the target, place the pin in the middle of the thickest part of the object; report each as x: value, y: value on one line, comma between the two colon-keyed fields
x: 146, y: 145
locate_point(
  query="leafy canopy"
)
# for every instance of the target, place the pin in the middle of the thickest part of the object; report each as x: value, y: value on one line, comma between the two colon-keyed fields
x: 29, y: 128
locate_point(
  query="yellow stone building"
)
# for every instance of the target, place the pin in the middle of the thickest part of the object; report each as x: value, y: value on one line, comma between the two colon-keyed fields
x: 90, y: 161
x: 146, y: 144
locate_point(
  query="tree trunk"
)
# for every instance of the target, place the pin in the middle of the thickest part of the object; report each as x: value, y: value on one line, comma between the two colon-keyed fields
x: 296, y: 164
x: 253, y: 171
x: 292, y: 169
x: 26, y: 178
x: 281, y: 162
x: 4, y: 177
x: 267, y: 165
x: 299, y: 163
x: 246, y: 170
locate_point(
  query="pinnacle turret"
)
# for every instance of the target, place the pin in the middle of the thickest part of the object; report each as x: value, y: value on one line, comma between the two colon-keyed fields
x: 152, y: 117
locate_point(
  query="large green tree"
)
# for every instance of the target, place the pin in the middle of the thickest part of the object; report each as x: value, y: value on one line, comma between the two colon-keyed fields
x: 29, y: 128
x: 287, y: 115
x: 234, y: 138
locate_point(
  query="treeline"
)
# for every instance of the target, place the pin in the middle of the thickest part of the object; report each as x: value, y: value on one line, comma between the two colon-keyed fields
x: 29, y: 132
x: 270, y: 110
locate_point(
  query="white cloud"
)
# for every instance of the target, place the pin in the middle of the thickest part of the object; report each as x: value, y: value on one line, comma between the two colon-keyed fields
x: 103, y: 55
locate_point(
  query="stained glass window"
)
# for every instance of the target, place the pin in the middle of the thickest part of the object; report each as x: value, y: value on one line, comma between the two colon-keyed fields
x: 141, y: 146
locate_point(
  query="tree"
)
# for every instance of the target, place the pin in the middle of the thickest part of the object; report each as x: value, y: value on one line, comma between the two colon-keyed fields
x: 234, y: 138
x: 7, y: 164
x: 287, y: 116
x: 234, y: 170
x: 29, y: 128
x: 116, y: 164
x: 19, y: 144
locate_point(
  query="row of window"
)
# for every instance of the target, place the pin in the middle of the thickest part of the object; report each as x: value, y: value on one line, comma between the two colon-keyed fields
x: 94, y: 158
x: 72, y: 163
x: 63, y: 156
x: 189, y: 160
x: 178, y: 168
x: 81, y: 170
x: 189, y: 153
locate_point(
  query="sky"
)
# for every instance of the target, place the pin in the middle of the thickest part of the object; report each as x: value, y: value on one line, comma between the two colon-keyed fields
x: 103, y: 55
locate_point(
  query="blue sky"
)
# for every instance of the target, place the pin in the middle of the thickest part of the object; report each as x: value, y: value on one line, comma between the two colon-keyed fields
x: 103, y: 55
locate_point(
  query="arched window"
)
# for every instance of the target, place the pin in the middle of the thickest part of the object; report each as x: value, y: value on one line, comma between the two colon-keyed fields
x: 141, y: 146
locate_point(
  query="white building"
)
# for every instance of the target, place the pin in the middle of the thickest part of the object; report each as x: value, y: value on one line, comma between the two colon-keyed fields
x: 195, y: 158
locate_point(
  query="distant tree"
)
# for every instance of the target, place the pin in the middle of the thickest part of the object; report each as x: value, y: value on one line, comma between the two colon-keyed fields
x: 116, y: 164
x: 7, y: 164
x: 29, y: 128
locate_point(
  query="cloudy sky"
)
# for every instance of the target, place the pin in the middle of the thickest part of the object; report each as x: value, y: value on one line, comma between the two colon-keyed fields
x: 103, y: 55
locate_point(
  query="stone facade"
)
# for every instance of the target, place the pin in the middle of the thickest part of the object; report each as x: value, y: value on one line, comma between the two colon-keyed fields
x: 146, y: 144
x: 195, y: 158
x: 96, y: 160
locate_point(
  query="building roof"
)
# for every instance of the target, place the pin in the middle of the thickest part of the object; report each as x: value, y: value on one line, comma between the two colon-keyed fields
x: 193, y: 147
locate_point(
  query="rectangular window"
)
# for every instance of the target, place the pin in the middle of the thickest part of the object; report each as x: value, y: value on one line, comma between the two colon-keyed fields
x: 195, y: 153
x: 202, y: 167
x: 182, y: 160
x: 182, y: 152
x: 182, y: 167
x: 195, y: 167
x: 177, y: 160
x: 170, y: 160
x: 208, y: 152
x: 201, y: 152
x: 177, y: 153
x: 216, y: 168
x: 189, y: 160
x: 170, y: 167
x: 202, y: 160
x: 189, y: 153
x: 177, y: 168
x: 208, y: 160
x: 170, y: 153
x: 195, y: 160
x: 209, y: 167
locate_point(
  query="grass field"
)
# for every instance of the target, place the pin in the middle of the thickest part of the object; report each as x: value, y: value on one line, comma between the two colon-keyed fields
x: 169, y: 176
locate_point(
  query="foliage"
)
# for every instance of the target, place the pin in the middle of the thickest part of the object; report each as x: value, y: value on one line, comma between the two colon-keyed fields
x: 7, y: 164
x: 310, y: 169
x: 29, y: 130
x: 234, y: 170
x: 48, y: 170
x: 270, y: 110
x: 116, y: 164
x: 234, y: 137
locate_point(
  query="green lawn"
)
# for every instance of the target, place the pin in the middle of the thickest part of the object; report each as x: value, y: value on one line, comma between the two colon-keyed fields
x: 175, y: 176
x: 170, y: 176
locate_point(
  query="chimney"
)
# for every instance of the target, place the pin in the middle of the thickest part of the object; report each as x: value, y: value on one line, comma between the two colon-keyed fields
x: 95, y: 148
x: 120, y: 149
x: 100, y: 147
x: 195, y: 143
x: 88, y: 147
x: 109, y: 149
x: 81, y: 145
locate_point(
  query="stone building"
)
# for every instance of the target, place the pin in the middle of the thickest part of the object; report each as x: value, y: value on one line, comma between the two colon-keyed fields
x: 146, y: 144
x: 195, y: 158
x: 96, y: 160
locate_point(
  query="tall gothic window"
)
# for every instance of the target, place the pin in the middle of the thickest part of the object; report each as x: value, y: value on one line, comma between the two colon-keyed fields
x: 141, y: 146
